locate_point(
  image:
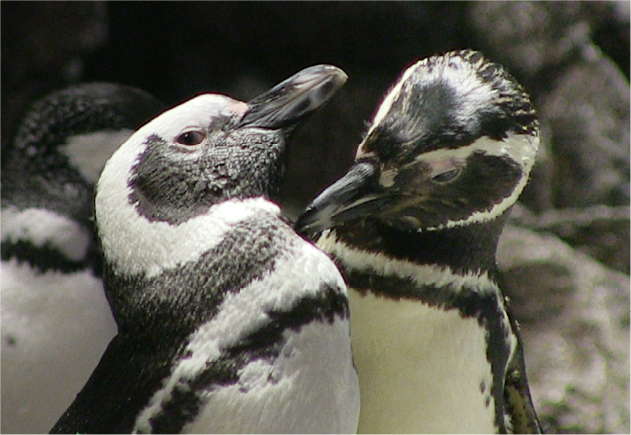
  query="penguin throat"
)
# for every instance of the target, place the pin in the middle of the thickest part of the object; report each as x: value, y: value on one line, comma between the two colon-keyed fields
x: 464, y: 249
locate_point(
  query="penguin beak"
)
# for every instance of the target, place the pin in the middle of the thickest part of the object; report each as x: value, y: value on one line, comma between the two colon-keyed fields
x: 295, y: 98
x: 355, y: 195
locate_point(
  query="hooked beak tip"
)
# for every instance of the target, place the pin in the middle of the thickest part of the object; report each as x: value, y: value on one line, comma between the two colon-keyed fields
x: 294, y: 98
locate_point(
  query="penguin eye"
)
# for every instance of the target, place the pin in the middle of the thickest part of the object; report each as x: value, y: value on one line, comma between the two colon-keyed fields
x: 190, y: 138
x: 447, y: 176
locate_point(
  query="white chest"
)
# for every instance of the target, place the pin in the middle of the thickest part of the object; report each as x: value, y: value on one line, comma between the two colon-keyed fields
x: 421, y: 370
x: 55, y: 327
x: 310, y: 388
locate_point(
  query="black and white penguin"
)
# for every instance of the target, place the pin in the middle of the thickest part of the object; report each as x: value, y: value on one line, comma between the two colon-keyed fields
x: 56, y: 321
x: 414, y: 227
x: 228, y: 321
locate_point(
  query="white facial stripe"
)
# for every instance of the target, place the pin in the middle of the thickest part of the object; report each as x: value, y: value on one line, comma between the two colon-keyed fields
x: 384, y: 108
x: 300, y: 274
x: 40, y: 226
x: 194, y: 113
x: 89, y: 152
x: 136, y: 245
x: 391, y: 98
x: 519, y: 147
x: 422, y: 274
x: 485, y: 216
x: 387, y: 176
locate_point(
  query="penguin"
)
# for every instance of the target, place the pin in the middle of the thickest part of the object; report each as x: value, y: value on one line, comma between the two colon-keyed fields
x: 414, y: 226
x: 56, y: 322
x: 228, y: 320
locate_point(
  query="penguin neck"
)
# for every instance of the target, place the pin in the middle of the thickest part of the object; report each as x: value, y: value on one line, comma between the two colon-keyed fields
x: 204, y: 261
x: 415, y: 298
x: 464, y: 249
x: 140, y: 312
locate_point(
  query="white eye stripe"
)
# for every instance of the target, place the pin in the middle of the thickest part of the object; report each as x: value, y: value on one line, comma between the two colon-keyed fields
x: 442, y: 166
x: 520, y: 148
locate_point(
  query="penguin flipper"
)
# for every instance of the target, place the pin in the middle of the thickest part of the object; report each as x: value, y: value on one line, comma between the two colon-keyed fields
x: 118, y: 389
x: 518, y: 402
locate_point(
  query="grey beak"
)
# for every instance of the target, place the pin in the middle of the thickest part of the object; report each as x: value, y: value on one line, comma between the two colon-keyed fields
x: 295, y: 98
x: 356, y: 194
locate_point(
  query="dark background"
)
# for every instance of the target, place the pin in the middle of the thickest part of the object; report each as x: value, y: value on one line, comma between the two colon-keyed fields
x: 573, y: 57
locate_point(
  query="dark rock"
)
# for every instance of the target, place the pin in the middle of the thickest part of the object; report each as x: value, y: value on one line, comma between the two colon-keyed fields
x: 42, y: 48
x: 531, y: 38
x: 600, y: 231
x: 581, y: 95
x: 609, y: 21
x: 588, y: 111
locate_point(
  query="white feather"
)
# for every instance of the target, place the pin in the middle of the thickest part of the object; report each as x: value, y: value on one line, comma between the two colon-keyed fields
x: 418, y: 366
x: 89, y: 152
x: 55, y: 327
x: 382, y: 265
x: 293, y: 394
x: 300, y: 273
x: 40, y: 227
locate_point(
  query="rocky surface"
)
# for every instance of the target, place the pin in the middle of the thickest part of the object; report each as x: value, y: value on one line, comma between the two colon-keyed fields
x: 582, y: 96
x: 565, y: 257
x: 574, y: 316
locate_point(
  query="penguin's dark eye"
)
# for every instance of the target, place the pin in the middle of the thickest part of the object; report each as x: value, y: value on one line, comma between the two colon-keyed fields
x: 447, y: 176
x: 445, y: 171
x: 190, y: 138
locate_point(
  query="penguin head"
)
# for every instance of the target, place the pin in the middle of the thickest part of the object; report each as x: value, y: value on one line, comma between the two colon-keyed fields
x: 63, y: 142
x: 212, y: 148
x: 452, y: 143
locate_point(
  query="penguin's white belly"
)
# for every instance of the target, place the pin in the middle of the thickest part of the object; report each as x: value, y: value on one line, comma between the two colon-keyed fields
x: 55, y: 328
x: 421, y: 369
x: 310, y: 388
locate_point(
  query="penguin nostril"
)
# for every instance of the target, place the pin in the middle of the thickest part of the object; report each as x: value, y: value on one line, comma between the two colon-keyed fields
x: 191, y: 138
